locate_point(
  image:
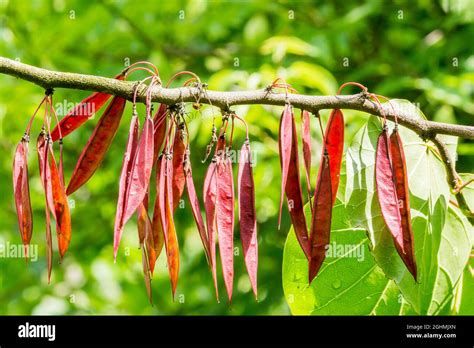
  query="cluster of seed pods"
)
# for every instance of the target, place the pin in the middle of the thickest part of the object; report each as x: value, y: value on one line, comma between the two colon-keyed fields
x: 52, y: 180
x: 313, y: 243
x: 392, y: 191
x: 390, y: 177
x: 162, y: 146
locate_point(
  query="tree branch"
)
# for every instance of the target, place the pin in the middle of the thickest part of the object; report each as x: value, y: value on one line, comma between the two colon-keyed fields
x: 52, y: 79
x: 224, y: 100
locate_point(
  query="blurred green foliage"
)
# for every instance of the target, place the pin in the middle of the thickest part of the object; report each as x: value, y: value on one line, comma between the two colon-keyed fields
x: 416, y: 51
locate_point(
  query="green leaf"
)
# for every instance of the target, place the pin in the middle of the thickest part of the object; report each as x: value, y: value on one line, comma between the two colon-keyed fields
x: 468, y: 191
x: 463, y: 303
x: 349, y: 282
x: 429, y: 194
x: 453, y: 257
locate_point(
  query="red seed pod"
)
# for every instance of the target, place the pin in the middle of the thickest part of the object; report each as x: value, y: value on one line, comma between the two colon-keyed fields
x: 306, y: 138
x: 285, y: 141
x: 225, y: 219
x: 21, y: 192
x: 321, y: 219
x: 386, y: 190
x: 61, y: 208
x: 161, y: 191
x: 294, y: 195
x: 44, y: 169
x: 45, y: 174
x: 165, y: 165
x: 403, y: 195
x: 179, y: 179
x: 157, y: 227
x: 210, y: 199
x: 334, y: 142
x: 247, y: 214
x: 81, y: 113
x: 209, y: 194
x: 98, y: 144
x: 127, y: 164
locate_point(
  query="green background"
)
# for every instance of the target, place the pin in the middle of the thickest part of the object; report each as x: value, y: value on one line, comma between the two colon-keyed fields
x: 420, y: 52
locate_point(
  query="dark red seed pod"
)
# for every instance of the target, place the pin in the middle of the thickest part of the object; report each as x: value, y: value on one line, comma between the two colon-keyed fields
x: 306, y: 139
x: 225, y: 219
x: 127, y: 164
x: 403, y: 195
x: 321, y: 219
x: 209, y: 194
x: 334, y: 142
x: 179, y: 179
x: 21, y: 190
x: 247, y: 214
x: 61, y: 208
x: 386, y: 190
x: 294, y: 193
x: 285, y: 141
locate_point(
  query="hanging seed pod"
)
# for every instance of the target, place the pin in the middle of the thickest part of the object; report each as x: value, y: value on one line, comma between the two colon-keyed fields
x: 179, y: 179
x: 209, y: 194
x: 247, y: 214
x: 306, y: 138
x: 21, y: 192
x: 225, y: 218
x: 403, y: 195
x: 210, y: 201
x: 285, y: 141
x: 127, y: 163
x: 45, y: 174
x: 61, y: 207
x: 157, y: 227
x: 167, y: 220
x: 321, y: 219
x: 326, y: 190
x: 294, y: 193
x: 386, y: 190
x: 44, y: 169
